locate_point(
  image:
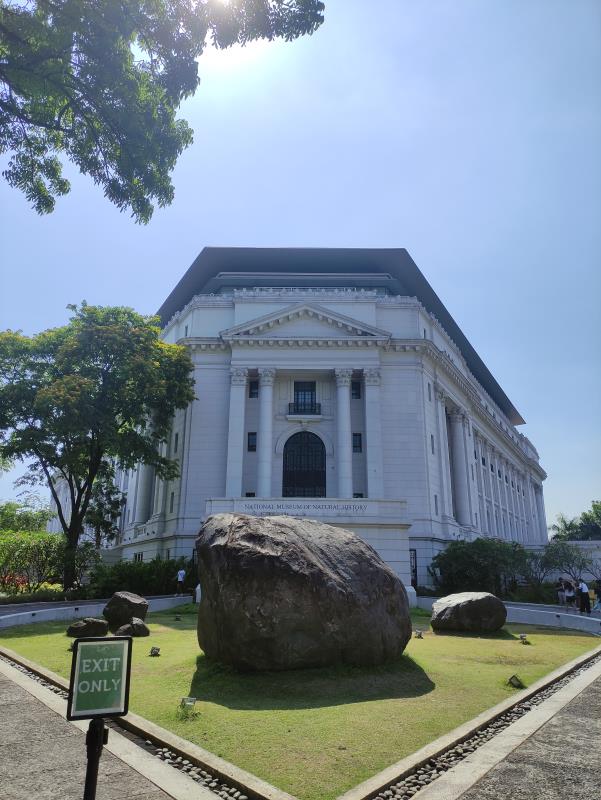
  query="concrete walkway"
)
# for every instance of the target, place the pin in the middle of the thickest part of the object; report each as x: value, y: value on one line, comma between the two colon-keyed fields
x: 43, y: 756
x: 561, y: 760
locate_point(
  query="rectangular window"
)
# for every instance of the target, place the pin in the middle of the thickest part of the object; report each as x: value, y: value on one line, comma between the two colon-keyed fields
x: 430, y: 392
x: 475, y: 456
x: 253, y: 390
x: 168, y: 554
x: 138, y: 556
x: 356, y: 390
x: 358, y: 494
x: 492, y: 467
x: 175, y: 442
x: 476, y: 519
x: 171, y: 501
x: 425, y: 334
x: 357, y: 443
x: 432, y: 443
x: 436, y: 504
x: 499, y: 473
x: 472, y: 466
x: 252, y: 442
x: 483, y: 461
x: 304, y: 397
x: 250, y: 494
x: 186, y: 331
x: 506, y: 479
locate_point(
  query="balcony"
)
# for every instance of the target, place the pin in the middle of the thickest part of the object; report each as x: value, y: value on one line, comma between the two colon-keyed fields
x: 304, y: 409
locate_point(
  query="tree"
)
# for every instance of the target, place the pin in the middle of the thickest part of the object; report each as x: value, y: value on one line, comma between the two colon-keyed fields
x: 29, y: 559
x: 539, y: 564
x: 590, y: 523
x: 105, y: 506
x: 32, y: 515
x: 486, y: 565
x: 569, y: 558
x: 102, y: 386
x: 565, y: 528
x: 100, y: 83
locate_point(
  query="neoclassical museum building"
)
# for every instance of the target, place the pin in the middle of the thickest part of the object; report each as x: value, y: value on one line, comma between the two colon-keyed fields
x: 334, y: 384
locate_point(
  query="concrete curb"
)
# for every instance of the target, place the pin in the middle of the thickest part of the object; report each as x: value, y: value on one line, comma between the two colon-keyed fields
x: 454, y: 783
x: 244, y: 781
x: 401, y: 769
x: 85, y: 609
x: 174, y: 783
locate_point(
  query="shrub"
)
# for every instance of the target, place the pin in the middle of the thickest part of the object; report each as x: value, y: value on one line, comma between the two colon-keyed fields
x: 39, y: 596
x: 28, y: 559
x: 141, y: 577
x: 485, y: 565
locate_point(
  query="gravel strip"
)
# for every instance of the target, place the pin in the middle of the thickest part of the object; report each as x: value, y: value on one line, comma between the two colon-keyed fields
x: 435, y: 767
x: 211, y: 782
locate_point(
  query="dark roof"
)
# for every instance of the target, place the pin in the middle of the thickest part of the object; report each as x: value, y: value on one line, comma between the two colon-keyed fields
x: 395, y: 269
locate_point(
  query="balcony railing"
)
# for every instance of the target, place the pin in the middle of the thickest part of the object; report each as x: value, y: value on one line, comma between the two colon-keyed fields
x: 304, y: 408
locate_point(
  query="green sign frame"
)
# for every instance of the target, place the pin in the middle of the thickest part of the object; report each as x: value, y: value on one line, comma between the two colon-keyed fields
x: 100, y: 677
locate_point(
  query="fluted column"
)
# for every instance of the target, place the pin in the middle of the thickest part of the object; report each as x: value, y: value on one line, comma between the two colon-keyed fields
x: 265, y: 443
x: 462, y: 502
x: 542, y: 521
x: 373, y: 431
x: 235, y: 436
x: 344, y: 441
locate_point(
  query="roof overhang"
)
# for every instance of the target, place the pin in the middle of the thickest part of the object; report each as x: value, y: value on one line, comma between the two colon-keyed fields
x: 393, y: 269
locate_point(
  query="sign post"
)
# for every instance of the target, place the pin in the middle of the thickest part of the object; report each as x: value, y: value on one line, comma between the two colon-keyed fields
x: 99, y: 688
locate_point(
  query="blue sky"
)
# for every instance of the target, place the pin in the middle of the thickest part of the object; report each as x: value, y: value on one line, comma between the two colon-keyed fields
x: 466, y: 131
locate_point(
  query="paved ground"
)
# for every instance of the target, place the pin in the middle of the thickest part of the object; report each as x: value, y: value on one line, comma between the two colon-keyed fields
x: 43, y: 757
x: 561, y: 760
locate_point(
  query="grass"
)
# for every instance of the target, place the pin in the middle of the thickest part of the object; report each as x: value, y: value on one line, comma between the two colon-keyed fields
x: 316, y: 733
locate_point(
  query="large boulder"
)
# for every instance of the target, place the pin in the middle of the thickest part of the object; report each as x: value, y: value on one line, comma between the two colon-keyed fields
x: 134, y: 628
x: 284, y: 593
x: 88, y: 626
x: 477, y: 612
x: 123, y: 607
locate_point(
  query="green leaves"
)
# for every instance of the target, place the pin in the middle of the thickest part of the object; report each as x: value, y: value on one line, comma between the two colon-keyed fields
x: 102, y: 387
x: 100, y: 83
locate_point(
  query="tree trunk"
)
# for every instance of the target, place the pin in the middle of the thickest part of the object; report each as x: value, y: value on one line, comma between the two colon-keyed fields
x: 69, y: 573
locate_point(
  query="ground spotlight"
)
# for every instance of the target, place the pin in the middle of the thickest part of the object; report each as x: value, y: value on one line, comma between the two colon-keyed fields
x: 155, y: 651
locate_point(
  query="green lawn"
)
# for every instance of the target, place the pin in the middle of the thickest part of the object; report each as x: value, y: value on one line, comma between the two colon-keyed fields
x: 316, y: 733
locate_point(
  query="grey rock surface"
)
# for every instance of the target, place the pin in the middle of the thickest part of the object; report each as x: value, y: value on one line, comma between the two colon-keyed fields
x: 123, y: 607
x: 134, y: 628
x: 478, y: 612
x: 285, y: 593
x: 88, y: 626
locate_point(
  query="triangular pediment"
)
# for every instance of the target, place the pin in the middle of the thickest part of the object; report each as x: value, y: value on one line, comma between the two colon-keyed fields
x: 305, y: 322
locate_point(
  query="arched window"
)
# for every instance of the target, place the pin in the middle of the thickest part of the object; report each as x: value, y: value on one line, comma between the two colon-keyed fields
x: 304, y: 466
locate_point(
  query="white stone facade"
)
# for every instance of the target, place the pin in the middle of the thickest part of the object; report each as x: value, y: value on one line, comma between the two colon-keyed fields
x: 415, y: 450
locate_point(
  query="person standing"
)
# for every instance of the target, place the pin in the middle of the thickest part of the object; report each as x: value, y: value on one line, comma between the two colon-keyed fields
x: 561, y: 595
x: 598, y: 593
x: 181, y: 574
x: 585, y: 598
x: 569, y: 593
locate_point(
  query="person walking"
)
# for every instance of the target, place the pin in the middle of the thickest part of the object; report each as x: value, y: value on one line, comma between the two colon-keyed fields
x: 585, y: 598
x: 181, y: 574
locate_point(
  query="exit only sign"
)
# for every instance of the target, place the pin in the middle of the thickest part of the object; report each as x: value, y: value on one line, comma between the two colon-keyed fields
x: 100, y: 671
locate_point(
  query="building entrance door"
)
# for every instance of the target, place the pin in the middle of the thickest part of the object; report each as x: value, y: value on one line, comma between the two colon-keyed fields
x: 304, y: 466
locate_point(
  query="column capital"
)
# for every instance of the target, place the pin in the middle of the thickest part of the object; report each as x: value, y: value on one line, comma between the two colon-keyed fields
x: 457, y: 416
x: 238, y: 376
x: 267, y: 375
x: 343, y: 377
x: 372, y: 376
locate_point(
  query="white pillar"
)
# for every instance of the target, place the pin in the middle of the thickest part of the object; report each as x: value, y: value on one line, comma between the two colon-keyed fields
x: 265, y: 443
x: 344, y: 461
x: 462, y: 502
x: 144, y: 493
x: 538, y: 493
x: 446, y: 504
x: 373, y: 431
x: 235, y: 437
